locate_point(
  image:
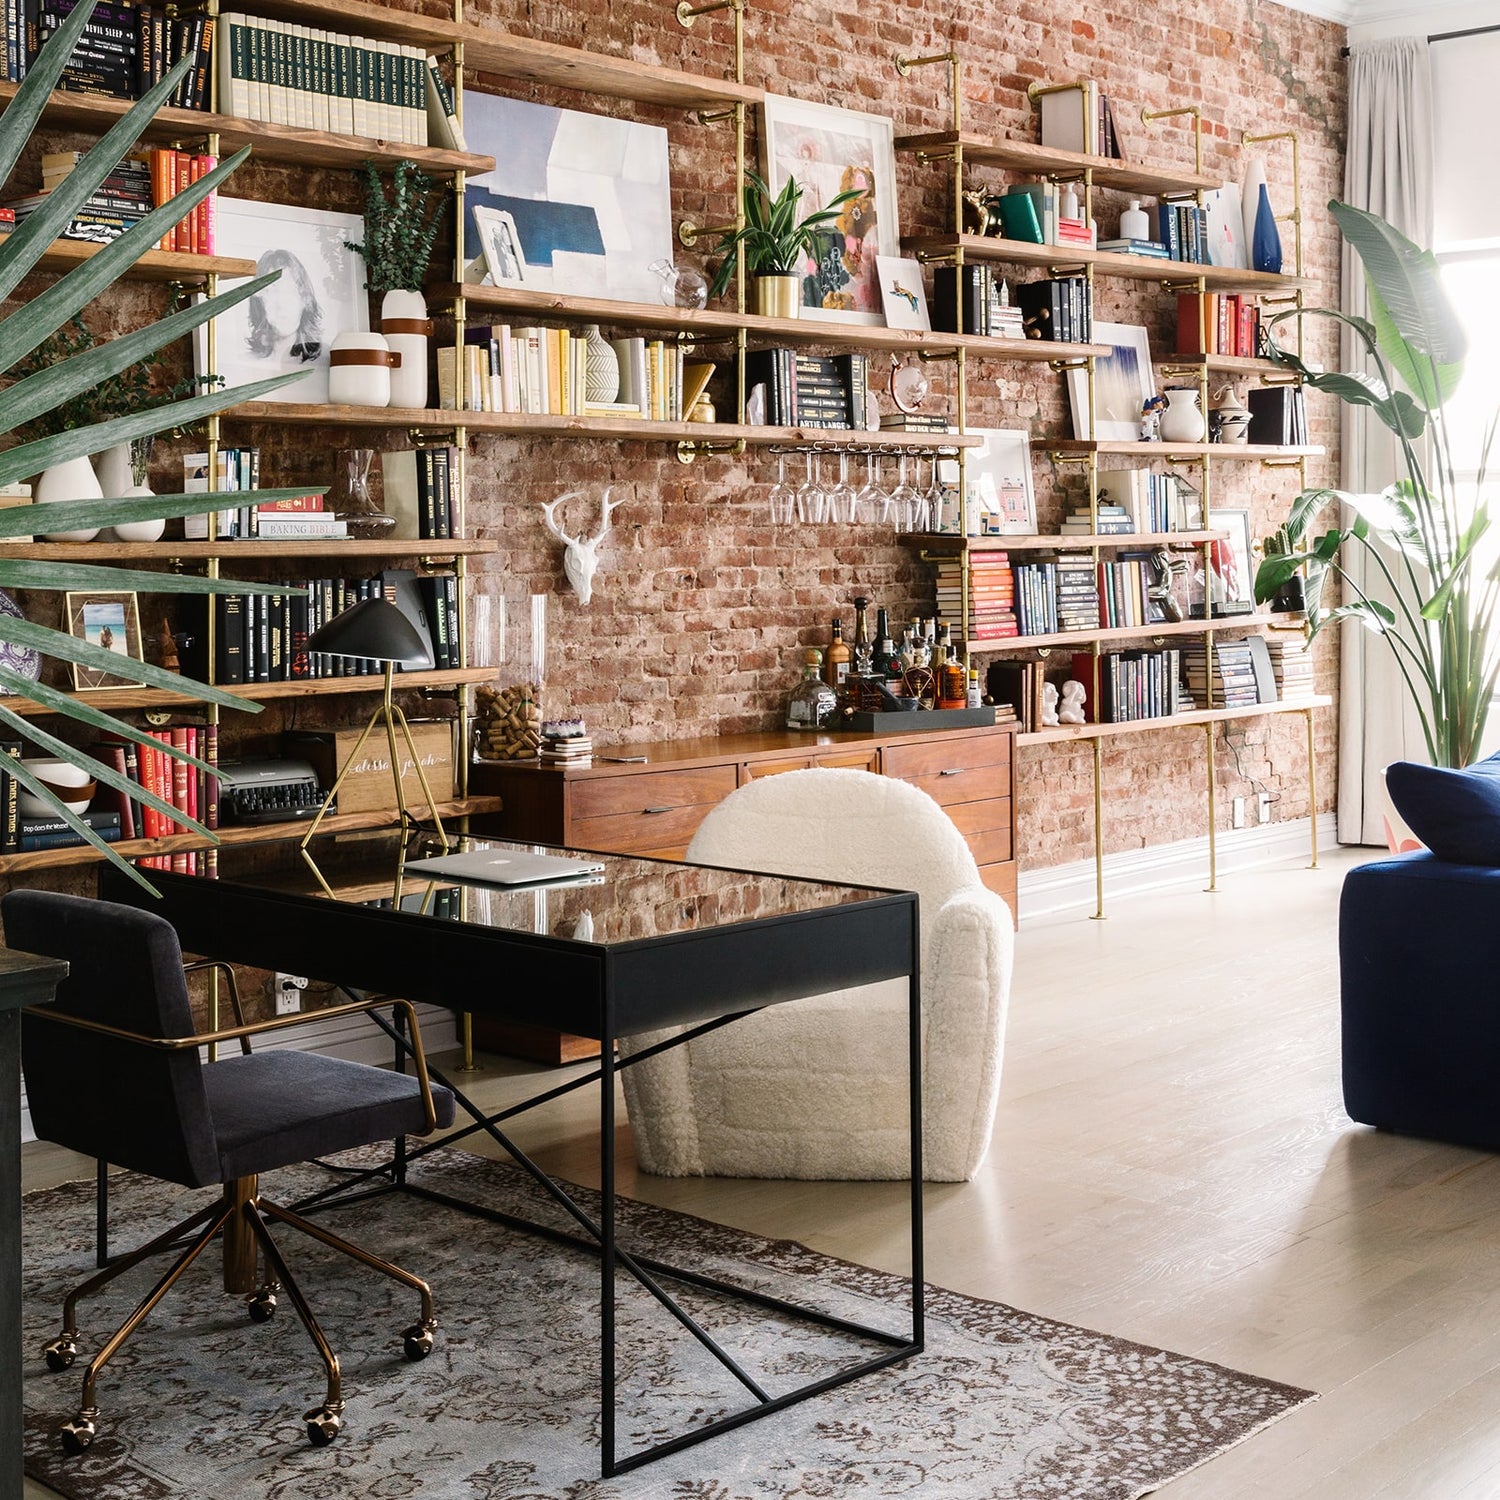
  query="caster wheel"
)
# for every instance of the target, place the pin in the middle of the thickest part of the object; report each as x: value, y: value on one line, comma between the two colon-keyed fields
x: 323, y: 1425
x: 417, y: 1341
x: 79, y: 1433
x: 261, y: 1306
x: 61, y: 1353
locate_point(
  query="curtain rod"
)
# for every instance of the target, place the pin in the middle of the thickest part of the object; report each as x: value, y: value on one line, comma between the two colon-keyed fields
x: 1446, y: 36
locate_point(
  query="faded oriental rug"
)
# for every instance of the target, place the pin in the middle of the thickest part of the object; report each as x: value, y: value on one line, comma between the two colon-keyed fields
x: 203, y: 1403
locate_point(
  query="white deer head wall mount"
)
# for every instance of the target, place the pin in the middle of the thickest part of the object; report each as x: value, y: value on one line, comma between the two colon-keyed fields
x: 580, y: 554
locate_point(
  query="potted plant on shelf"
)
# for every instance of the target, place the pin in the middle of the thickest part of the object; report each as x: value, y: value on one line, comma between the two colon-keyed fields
x: 775, y: 243
x: 26, y: 405
x: 1424, y: 534
x: 400, y: 230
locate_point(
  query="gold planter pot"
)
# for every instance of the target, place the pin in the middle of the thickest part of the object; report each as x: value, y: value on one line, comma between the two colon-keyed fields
x: 778, y: 296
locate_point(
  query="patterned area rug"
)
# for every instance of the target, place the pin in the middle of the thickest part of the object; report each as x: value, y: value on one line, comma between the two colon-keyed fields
x: 204, y: 1403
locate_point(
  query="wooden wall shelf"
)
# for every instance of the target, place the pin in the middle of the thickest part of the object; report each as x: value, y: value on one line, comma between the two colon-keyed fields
x: 140, y: 552
x: 1170, y: 721
x: 154, y: 265
x: 941, y: 545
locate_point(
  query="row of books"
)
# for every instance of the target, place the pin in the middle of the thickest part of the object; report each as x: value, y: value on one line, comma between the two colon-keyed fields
x: 1080, y: 119
x: 1240, y: 675
x: 1060, y: 308
x: 296, y: 518
x: 263, y: 637
x: 288, y: 74
x: 1132, y: 685
x: 126, y: 196
x: 125, y: 49
x: 1218, y: 323
x: 1182, y: 231
x: 1056, y: 595
x: 1278, y: 415
x: 1031, y: 212
x: 193, y: 791
x: 991, y: 596
x: 972, y: 299
x: 419, y: 491
x: 1136, y: 500
x: 810, y: 390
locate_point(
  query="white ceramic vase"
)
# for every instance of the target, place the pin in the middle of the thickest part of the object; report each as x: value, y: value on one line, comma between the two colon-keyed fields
x: 113, y: 468
x: 1182, y: 421
x: 603, y: 368
x: 406, y: 326
x: 360, y: 370
x: 73, y: 480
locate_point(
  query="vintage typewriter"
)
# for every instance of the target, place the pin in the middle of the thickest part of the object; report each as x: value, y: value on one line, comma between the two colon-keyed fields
x: 268, y: 791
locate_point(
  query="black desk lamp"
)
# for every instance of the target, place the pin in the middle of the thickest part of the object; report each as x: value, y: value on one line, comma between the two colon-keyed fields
x: 374, y: 629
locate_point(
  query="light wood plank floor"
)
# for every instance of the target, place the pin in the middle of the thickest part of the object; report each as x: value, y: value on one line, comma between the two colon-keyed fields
x: 1171, y: 1164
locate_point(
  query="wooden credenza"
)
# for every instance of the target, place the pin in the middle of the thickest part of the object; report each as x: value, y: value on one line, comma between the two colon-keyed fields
x: 621, y: 803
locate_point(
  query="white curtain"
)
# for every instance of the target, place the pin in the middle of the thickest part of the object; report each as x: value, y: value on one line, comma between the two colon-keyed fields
x: 1388, y: 170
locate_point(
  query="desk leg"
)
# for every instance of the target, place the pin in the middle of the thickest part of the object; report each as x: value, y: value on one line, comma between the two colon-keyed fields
x: 607, y: 1254
x: 914, y: 1055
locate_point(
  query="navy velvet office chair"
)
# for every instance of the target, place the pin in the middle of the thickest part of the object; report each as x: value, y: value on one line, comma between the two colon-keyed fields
x: 113, y: 1070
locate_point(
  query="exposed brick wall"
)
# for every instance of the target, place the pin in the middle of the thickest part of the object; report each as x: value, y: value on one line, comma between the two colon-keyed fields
x: 700, y: 610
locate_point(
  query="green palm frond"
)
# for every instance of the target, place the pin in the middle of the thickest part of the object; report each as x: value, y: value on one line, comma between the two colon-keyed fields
x: 29, y: 400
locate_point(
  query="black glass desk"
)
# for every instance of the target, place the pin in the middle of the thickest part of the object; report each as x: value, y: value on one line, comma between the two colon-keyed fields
x: 650, y: 944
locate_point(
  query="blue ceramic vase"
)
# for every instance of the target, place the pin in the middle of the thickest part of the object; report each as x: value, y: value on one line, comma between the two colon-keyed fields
x: 1265, y: 247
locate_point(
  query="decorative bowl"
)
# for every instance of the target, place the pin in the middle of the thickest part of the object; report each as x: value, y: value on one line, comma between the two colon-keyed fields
x: 71, y: 785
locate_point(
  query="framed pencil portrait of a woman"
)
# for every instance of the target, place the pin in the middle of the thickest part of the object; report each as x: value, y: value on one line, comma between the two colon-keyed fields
x: 289, y: 325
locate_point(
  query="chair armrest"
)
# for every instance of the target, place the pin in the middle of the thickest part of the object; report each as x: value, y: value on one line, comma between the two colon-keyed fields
x: 227, y: 969
x: 259, y: 1028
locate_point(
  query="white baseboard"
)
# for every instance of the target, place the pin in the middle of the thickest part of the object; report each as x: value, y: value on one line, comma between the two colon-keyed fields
x: 1071, y: 887
x: 351, y: 1037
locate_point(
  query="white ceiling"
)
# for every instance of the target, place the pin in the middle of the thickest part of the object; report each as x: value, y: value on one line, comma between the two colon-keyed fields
x: 1425, y: 15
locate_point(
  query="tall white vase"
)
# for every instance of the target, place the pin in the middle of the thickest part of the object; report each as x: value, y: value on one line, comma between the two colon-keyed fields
x: 113, y: 468
x: 406, y: 326
x: 73, y: 480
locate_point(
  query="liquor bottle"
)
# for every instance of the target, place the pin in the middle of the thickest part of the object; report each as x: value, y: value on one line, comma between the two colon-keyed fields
x: 860, y: 664
x: 883, y: 660
x: 941, y: 648
x: 975, y: 701
x: 813, y: 704
x: 836, y: 667
x: 953, y: 682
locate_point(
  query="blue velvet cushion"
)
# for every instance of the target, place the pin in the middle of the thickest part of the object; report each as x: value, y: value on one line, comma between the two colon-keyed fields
x: 1455, y: 813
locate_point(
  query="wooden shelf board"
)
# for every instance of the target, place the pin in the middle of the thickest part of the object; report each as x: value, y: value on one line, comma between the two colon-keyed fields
x: 113, y: 700
x: 623, y: 429
x: 1084, y: 638
x: 487, y: 50
x: 308, y: 148
x: 1183, y: 450
x: 1229, y: 364
x: 1172, y: 721
x: 1130, y: 267
x: 360, y: 18
x: 952, y: 546
x: 1038, y: 160
x: 725, y: 323
x: 157, y: 551
x: 261, y: 833
x: 154, y: 265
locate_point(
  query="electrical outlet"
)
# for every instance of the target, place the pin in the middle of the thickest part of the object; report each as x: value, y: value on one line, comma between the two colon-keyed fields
x: 1237, y: 813
x: 286, y: 993
x: 1263, y: 807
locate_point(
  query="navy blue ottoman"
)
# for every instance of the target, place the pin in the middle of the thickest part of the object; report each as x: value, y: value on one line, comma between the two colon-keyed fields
x: 1419, y: 960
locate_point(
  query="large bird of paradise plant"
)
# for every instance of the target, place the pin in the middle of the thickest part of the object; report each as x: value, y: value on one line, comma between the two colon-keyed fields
x: 23, y: 331
x: 1424, y: 536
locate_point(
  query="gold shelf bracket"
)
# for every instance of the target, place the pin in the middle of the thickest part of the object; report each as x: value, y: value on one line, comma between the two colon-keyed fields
x: 1281, y: 463
x: 689, y: 233
x: 1058, y: 366
x: 1150, y: 116
x: 904, y: 66
x: 688, y: 450
x: 421, y: 436
x: 687, y: 14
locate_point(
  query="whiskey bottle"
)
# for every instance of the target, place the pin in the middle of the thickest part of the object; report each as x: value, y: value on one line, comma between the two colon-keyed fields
x: 836, y: 666
x: 813, y: 704
x: 953, y: 682
x: 884, y: 661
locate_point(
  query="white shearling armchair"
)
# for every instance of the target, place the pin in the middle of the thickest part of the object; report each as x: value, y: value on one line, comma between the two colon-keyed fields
x: 818, y: 1088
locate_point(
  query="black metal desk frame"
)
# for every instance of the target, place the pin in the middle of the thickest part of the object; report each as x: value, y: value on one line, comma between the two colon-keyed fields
x: 714, y: 977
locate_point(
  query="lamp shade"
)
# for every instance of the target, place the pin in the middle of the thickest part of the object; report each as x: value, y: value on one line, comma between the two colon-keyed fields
x: 375, y: 629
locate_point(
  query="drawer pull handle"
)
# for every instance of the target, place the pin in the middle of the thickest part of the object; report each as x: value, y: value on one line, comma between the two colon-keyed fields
x: 953, y: 771
x: 658, y: 809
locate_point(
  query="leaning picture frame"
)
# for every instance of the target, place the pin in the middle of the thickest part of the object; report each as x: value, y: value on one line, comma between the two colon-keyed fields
x: 1001, y: 500
x: 111, y: 621
x: 291, y: 325
x: 1232, y: 574
x: 829, y: 150
x: 903, y: 299
x: 501, y: 244
x: 1123, y: 382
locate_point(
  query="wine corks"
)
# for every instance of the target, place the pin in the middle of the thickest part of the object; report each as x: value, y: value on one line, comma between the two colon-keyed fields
x: 508, y: 722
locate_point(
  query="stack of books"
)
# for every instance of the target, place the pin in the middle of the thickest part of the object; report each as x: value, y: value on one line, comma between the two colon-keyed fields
x: 296, y: 517
x: 1292, y: 664
x: 992, y: 596
x: 972, y: 299
x: 1232, y: 683
x: 1112, y: 519
x: 566, y: 742
x: 811, y: 390
x: 123, y: 198
x: 1077, y: 594
x: 1135, y: 247
x: 1075, y: 232
x: 45, y: 831
x: 913, y: 421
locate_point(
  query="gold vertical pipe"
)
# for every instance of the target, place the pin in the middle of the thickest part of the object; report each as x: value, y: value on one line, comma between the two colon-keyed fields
x: 1312, y: 789
x: 1213, y: 813
x: 1098, y: 826
x: 466, y: 1035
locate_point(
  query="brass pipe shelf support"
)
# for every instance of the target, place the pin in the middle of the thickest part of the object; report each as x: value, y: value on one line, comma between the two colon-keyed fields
x: 904, y: 66
x: 1150, y: 116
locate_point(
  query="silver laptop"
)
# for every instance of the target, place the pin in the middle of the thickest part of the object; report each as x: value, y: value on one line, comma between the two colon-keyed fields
x: 506, y: 867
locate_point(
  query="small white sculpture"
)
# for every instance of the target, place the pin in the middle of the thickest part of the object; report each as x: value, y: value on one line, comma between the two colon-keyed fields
x: 1071, y: 710
x: 1049, y: 704
x: 580, y: 554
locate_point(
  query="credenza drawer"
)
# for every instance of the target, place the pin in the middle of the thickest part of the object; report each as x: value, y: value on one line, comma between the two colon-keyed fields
x: 863, y: 759
x: 949, y: 759
x: 986, y: 827
x: 652, y: 793
x: 645, y: 832
x: 954, y: 784
x: 1001, y: 879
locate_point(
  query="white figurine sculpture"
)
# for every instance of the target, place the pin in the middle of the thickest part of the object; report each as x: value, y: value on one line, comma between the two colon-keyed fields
x: 1071, y: 710
x: 1049, y: 705
x: 580, y: 554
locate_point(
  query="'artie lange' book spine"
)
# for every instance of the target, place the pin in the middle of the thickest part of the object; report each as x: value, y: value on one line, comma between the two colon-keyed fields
x: 9, y: 800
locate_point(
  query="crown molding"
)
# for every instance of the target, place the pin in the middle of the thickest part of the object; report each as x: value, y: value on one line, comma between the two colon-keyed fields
x: 1373, y: 12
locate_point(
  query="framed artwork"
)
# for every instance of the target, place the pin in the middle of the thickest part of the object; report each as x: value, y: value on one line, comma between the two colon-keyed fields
x: 501, y: 245
x: 1226, y: 227
x: 1123, y: 381
x: 901, y: 296
x: 587, y: 198
x: 1231, y: 573
x: 998, y: 485
x: 291, y: 324
x: 828, y: 150
x: 112, y: 622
